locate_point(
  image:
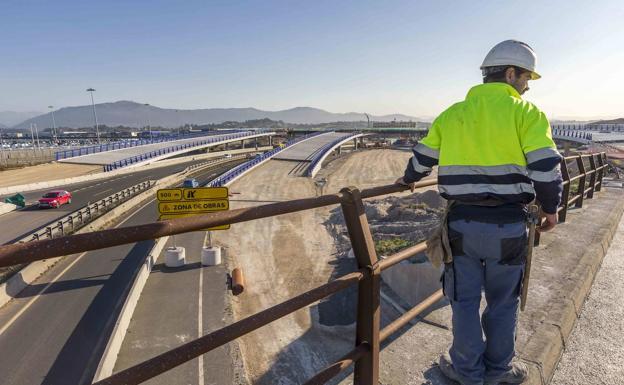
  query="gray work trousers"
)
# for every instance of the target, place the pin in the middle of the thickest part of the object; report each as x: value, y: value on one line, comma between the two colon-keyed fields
x: 488, y: 258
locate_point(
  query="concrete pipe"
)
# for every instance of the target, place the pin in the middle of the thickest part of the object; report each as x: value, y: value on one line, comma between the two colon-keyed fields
x: 175, y: 256
x: 211, y: 256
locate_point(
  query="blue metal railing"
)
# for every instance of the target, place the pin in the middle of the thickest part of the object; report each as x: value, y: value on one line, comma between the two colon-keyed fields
x: 130, y: 143
x: 319, y: 154
x: 236, y: 171
x: 162, y: 151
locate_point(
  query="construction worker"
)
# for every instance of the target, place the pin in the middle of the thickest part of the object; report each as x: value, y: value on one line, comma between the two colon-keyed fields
x: 495, y: 154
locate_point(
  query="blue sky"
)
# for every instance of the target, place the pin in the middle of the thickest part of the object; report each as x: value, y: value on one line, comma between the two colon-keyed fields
x: 412, y: 57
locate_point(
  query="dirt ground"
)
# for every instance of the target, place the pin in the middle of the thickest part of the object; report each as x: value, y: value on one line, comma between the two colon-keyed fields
x: 45, y: 172
x: 287, y: 255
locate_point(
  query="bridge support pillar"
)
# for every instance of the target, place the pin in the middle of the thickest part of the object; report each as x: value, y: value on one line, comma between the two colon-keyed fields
x: 270, y: 141
x: 243, y: 143
x: 256, y: 142
x: 355, y: 144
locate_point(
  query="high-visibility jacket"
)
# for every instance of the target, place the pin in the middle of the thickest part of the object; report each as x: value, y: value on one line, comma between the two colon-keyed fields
x: 491, y: 146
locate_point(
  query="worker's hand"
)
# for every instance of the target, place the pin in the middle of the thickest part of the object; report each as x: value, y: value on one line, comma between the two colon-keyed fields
x: 412, y: 185
x: 549, y: 223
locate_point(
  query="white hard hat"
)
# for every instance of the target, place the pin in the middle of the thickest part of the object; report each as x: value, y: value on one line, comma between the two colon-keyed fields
x: 513, y: 53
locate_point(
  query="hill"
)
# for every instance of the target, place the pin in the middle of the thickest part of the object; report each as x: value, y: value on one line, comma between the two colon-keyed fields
x: 132, y: 114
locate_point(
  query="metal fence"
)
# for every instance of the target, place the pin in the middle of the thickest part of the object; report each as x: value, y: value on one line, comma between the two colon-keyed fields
x: 369, y: 335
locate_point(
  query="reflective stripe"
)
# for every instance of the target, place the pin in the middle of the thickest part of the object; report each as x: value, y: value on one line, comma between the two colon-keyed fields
x: 500, y: 189
x: 435, y: 154
x: 482, y: 170
x: 542, y: 153
x: 545, y: 176
x: 419, y: 167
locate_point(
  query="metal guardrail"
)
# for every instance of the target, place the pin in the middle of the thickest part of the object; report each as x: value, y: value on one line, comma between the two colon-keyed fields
x: 369, y: 335
x: 318, y: 156
x: 128, y: 143
x: 162, y: 151
x: 86, y: 214
x: 236, y: 171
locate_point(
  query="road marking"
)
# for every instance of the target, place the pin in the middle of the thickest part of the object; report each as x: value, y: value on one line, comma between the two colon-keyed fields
x: 200, y: 327
x: 102, y: 192
x: 34, y: 298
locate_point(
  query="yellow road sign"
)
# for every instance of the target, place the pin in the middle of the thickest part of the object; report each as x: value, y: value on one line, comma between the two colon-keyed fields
x: 169, y: 194
x: 191, y: 194
x: 203, y: 206
x: 184, y: 215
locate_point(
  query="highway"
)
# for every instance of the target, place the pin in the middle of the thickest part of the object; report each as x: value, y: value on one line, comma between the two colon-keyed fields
x: 56, y: 330
x: 16, y: 224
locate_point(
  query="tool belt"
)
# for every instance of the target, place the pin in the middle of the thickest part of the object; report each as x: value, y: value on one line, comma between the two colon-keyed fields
x: 438, y: 246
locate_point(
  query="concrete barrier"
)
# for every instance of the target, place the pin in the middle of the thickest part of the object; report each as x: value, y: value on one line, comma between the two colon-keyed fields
x: 7, y: 207
x: 109, y: 357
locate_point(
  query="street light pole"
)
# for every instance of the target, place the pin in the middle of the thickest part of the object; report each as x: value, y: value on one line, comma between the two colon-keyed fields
x: 149, y: 125
x: 53, y: 124
x: 97, y: 130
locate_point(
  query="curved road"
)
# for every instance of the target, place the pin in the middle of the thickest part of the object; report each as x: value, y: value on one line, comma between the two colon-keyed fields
x: 55, y: 331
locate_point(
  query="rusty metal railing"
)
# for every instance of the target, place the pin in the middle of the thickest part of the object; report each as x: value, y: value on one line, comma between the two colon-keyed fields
x: 369, y: 335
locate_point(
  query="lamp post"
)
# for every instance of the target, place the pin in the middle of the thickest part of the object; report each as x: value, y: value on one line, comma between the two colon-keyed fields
x: 97, y: 130
x: 53, y: 124
x: 149, y: 125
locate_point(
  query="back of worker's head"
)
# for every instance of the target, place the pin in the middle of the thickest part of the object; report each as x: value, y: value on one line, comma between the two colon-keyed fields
x: 512, y: 62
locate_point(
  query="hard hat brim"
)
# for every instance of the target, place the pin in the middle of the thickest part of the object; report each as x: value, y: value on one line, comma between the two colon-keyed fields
x: 535, y: 75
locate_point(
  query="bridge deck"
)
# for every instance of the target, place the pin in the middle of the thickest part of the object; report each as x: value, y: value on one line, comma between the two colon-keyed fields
x: 108, y: 157
x: 305, y: 150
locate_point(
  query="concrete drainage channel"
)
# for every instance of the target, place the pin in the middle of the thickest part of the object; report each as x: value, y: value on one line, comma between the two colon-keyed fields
x: 90, y: 218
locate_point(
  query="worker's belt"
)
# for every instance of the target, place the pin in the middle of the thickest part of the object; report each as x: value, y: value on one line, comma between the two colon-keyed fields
x: 490, y: 211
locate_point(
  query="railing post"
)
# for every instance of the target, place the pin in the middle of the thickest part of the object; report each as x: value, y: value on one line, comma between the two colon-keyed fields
x: 601, y: 163
x: 581, y: 187
x: 592, y: 178
x: 366, y: 371
x: 565, y: 197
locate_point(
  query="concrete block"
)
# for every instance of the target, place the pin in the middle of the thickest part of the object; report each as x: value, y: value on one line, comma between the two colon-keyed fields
x: 211, y: 256
x: 564, y: 315
x: 175, y: 256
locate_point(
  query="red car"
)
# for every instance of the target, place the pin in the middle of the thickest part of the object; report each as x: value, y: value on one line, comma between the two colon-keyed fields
x: 55, y: 199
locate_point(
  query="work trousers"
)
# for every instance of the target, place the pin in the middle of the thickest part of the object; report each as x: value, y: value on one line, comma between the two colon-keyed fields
x: 488, y: 258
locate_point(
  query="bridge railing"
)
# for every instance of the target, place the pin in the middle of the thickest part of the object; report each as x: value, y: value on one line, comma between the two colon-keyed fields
x: 319, y: 156
x: 65, y: 154
x: 369, y: 335
x: 236, y: 171
x: 162, y: 151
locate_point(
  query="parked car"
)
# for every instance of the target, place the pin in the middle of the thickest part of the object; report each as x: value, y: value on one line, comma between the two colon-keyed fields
x: 190, y: 183
x: 55, y: 199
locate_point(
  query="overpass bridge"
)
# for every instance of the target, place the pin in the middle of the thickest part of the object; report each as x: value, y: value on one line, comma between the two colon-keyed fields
x: 112, y: 159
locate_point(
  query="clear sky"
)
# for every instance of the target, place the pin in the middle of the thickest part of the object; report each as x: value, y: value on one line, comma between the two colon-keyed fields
x: 412, y: 57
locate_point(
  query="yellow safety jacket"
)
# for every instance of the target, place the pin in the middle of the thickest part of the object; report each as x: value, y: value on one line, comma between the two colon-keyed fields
x: 491, y: 146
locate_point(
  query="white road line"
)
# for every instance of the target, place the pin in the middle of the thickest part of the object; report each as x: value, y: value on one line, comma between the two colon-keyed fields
x: 103, y: 191
x: 34, y: 298
x: 200, y: 327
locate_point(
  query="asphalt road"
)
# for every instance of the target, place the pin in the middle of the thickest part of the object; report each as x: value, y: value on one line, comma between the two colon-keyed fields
x: 16, y: 224
x: 56, y: 330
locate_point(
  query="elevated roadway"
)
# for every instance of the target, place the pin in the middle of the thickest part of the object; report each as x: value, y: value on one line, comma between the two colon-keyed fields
x: 306, y: 149
x: 194, y: 144
x: 55, y: 331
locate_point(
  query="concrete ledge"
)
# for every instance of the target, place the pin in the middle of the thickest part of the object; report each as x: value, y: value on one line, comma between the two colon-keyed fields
x: 545, y: 345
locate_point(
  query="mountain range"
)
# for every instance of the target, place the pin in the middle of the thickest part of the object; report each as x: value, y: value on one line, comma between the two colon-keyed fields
x: 11, y: 118
x: 132, y: 114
